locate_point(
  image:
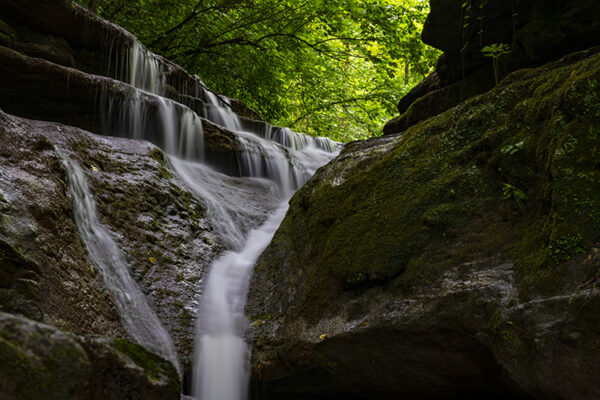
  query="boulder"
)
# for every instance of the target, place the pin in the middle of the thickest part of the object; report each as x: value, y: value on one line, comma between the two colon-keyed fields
x: 457, y: 260
x: 40, y: 361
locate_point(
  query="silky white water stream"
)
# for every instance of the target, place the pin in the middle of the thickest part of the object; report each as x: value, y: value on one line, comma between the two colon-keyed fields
x: 222, y: 354
x: 138, y: 319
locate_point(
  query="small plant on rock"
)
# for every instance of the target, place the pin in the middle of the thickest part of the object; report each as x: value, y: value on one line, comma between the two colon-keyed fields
x: 495, y: 51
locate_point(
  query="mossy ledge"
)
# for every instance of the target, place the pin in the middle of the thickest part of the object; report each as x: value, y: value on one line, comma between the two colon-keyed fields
x: 449, y: 234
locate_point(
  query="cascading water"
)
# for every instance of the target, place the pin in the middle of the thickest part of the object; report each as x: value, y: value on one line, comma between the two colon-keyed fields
x: 222, y: 354
x: 171, y: 126
x: 217, y: 111
x: 140, y: 322
x: 285, y: 158
x: 136, y: 66
x: 227, y: 199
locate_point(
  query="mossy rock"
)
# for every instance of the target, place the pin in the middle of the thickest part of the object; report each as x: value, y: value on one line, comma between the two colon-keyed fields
x: 130, y: 370
x: 457, y: 229
x: 513, y: 171
x: 38, y: 360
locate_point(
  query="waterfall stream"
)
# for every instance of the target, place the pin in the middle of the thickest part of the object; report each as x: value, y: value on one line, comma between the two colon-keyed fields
x: 222, y: 355
x: 284, y: 158
x: 140, y: 322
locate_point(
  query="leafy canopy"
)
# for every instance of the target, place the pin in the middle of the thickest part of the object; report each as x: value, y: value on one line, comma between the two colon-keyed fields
x: 332, y: 68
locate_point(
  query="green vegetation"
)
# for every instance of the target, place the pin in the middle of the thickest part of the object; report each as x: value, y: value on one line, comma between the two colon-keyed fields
x: 334, y: 68
x: 495, y: 51
x: 150, y: 363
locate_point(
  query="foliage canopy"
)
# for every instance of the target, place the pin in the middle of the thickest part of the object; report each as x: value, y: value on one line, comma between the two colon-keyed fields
x: 332, y: 68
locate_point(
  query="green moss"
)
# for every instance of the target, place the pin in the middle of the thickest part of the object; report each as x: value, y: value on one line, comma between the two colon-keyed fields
x: 7, y: 31
x: 152, y: 364
x: 32, y: 365
x: 512, y: 172
x: 158, y: 155
x: 164, y: 173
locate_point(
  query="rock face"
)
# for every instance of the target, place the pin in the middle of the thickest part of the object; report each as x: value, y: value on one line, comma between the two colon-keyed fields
x: 43, y: 247
x: 57, y: 65
x: 160, y: 225
x: 457, y: 260
x: 536, y: 32
x: 68, y: 35
x: 39, y: 359
x: 39, y: 89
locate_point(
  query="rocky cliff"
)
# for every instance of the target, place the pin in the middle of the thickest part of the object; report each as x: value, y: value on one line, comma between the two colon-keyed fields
x: 532, y: 32
x: 457, y: 260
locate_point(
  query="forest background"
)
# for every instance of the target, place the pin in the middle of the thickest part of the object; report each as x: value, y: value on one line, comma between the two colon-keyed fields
x: 334, y: 68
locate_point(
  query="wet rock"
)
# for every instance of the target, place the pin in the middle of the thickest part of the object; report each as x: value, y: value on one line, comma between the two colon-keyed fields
x: 39, y: 241
x: 40, y: 361
x: 457, y: 260
x: 159, y: 223
x: 38, y: 89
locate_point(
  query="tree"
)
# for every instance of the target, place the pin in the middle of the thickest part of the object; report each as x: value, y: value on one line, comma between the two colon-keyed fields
x: 334, y: 68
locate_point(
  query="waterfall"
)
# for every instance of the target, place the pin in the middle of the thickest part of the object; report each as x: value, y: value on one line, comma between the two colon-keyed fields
x: 144, y: 70
x: 222, y: 355
x: 136, y: 66
x: 265, y: 153
x: 171, y: 126
x: 140, y: 322
x: 228, y: 207
x: 219, y: 112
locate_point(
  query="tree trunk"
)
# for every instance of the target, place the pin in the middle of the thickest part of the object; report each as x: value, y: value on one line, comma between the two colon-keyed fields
x: 406, y: 71
x: 94, y: 5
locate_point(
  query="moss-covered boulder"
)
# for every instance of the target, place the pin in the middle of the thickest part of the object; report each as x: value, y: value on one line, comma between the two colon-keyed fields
x: 39, y: 361
x: 458, y: 259
x: 122, y: 369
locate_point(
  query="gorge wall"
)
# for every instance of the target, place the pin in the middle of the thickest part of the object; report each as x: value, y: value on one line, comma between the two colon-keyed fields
x: 533, y: 32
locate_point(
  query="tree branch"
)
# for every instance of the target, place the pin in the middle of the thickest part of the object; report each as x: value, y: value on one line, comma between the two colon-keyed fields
x: 331, y: 104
